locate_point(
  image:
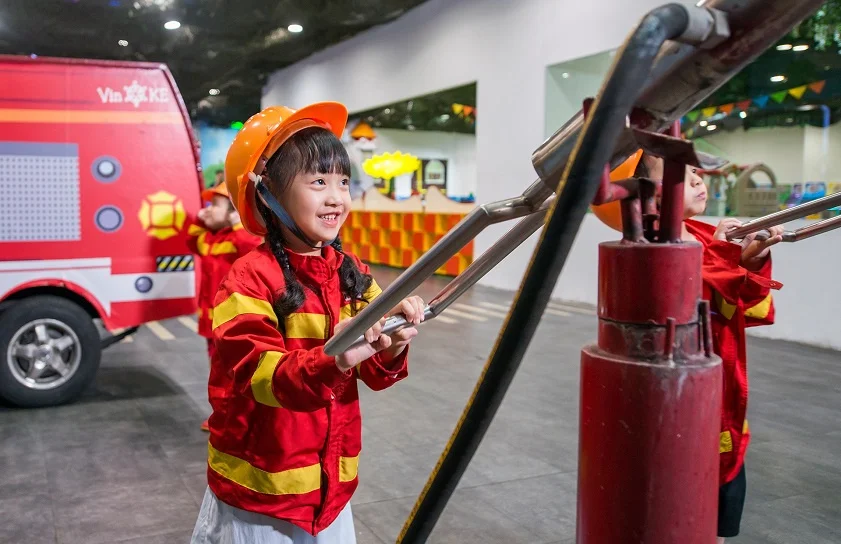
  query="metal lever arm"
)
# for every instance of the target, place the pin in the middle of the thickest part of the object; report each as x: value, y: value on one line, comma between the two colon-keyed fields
x: 806, y: 232
x: 780, y: 217
x: 477, y: 269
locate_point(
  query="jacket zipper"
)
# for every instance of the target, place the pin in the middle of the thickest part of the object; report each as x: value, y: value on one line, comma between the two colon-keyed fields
x: 330, y: 447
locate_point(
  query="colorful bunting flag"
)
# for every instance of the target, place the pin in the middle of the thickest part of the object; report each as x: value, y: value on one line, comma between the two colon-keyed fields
x: 709, y: 112
x: 761, y: 101
x: 779, y: 96
x: 744, y: 104
x: 692, y: 115
x: 817, y: 86
x: 798, y: 92
x: 726, y: 108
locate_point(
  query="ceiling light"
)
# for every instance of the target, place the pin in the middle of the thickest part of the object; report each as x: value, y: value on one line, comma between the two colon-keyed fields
x: 565, y: 75
x: 803, y: 47
x: 123, y: 43
x: 777, y: 79
x: 172, y: 25
x: 784, y: 47
x: 712, y: 127
x: 294, y: 28
x: 703, y: 123
x: 743, y: 114
x: 213, y: 92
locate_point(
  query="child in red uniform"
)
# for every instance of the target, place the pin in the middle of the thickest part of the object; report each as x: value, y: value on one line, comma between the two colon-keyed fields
x: 738, y: 284
x: 285, y: 434
x: 218, y: 239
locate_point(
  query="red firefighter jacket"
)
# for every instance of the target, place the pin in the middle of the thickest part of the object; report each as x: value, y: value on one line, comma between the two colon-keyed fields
x: 218, y: 251
x: 286, y: 429
x: 739, y: 298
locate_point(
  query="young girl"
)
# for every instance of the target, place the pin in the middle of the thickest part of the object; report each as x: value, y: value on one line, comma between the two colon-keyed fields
x: 285, y: 433
x: 738, y: 284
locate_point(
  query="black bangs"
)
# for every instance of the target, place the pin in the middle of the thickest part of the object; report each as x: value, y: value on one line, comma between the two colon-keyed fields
x: 313, y: 150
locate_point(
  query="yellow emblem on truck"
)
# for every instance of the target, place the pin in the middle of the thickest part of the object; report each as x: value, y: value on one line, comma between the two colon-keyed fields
x: 162, y: 215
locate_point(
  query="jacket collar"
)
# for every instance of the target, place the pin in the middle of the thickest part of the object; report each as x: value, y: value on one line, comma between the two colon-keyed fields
x: 316, y: 268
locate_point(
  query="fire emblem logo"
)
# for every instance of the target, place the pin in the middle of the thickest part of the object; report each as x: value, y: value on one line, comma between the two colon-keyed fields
x: 162, y: 215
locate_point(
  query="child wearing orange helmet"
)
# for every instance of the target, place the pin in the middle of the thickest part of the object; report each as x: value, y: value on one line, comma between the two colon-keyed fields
x: 286, y: 431
x: 217, y: 238
x: 737, y: 282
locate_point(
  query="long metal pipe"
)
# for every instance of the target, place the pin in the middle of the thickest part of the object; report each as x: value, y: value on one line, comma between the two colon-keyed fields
x: 473, y: 273
x: 467, y: 229
x: 581, y: 181
x: 782, y: 216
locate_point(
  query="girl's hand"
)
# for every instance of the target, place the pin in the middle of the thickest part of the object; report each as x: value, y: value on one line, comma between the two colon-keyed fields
x: 412, y: 309
x: 202, y: 214
x: 375, y: 342
x: 724, y: 226
x: 754, y: 252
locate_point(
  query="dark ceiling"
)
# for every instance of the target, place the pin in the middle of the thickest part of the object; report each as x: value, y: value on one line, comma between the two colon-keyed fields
x: 228, y: 45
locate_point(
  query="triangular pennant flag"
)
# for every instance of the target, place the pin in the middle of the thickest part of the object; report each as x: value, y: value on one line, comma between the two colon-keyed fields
x: 817, y: 86
x: 692, y: 115
x: 709, y: 112
x: 468, y: 110
x: 458, y: 108
x: 744, y: 104
x: 726, y: 108
x: 798, y: 92
x: 779, y: 96
x: 761, y: 100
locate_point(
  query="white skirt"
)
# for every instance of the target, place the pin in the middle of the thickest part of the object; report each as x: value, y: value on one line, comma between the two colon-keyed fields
x: 221, y: 523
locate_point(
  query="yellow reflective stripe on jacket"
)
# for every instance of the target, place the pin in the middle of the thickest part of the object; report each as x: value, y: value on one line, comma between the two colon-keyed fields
x: 261, y: 381
x: 222, y: 248
x: 726, y: 309
x: 306, y: 325
x: 348, y: 468
x: 202, y: 245
x: 725, y: 442
x: 761, y: 310
x: 370, y: 294
x: 296, y: 481
x: 237, y: 304
x: 195, y: 230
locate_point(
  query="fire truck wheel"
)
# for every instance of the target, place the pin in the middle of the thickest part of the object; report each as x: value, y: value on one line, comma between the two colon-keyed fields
x: 50, y: 351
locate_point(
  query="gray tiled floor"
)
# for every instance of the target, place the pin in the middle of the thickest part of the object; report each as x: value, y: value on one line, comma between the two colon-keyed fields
x: 126, y: 464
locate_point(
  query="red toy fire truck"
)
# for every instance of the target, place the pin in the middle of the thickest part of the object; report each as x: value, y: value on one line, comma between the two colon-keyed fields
x: 99, y: 170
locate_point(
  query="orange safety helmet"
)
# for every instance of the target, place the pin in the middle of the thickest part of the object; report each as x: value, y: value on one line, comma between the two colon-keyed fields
x: 220, y: 189
x: 260, y: 138
x: 611, y: 213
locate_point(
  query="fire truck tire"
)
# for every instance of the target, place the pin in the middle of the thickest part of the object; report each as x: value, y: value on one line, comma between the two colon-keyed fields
x: 49, y: 351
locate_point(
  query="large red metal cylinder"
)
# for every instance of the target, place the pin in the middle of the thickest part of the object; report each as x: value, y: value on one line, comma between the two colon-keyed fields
x: 650, y: 411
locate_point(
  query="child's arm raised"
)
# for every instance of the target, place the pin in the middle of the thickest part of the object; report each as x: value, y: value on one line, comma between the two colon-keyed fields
x: 248, y: 340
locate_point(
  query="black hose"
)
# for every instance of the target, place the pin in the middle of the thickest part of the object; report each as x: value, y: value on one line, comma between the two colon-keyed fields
x: 593, y: 150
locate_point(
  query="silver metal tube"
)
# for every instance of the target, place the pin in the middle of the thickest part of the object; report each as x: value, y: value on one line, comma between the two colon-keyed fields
x: 475, y: 222
x: 473, y: 273
x: 782, y: 216
x: 817, y: 228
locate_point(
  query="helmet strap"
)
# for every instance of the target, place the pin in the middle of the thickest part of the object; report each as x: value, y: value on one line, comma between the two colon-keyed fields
x: 284, y: 217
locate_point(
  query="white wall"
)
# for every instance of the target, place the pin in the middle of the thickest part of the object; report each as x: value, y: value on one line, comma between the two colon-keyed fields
x: 458, y: 149
x: 506, y: 48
